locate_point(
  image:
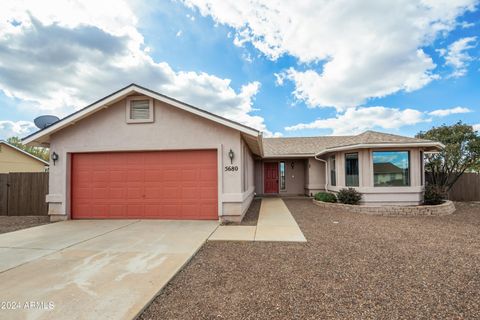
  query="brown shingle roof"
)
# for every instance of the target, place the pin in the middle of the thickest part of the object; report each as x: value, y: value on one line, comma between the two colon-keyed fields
x: 312, y: 145
x: 386, y: 167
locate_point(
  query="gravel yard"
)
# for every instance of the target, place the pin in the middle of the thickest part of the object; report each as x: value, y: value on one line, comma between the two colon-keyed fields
x: 251, y: 216
x: 352, y: 267
x: 13, y: 223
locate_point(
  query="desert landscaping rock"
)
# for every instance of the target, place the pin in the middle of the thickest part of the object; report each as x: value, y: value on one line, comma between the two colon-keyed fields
x: 13, y: 223
x: 352, y: 267
x: 251, y: 216
x: 445, y: 208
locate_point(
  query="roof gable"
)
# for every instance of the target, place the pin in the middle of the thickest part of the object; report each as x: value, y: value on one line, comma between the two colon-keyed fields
x: 16, y: 149
x: 42, y: 136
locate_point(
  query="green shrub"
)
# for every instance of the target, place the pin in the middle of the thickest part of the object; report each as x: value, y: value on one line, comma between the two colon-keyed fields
x: 433, y: 195
x: 349, y: 196
x: 325, y: 197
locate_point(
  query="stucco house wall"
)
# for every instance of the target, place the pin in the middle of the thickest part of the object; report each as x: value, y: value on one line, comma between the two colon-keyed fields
x: 12, y: 160
x: 294, y: 177
x: 409, y: 195
x: 315, y: 172
x: 172, y: 129
x: 104, y: 127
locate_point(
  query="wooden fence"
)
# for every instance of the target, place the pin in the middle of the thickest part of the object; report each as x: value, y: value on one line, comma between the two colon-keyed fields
x: 467, y: 188
x: 23, y: 194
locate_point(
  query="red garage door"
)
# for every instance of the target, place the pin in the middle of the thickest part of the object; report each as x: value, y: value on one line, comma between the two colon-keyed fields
x: 152, y: 185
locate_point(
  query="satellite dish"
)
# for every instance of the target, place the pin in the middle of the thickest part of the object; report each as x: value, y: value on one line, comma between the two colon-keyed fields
x: 44, y: 121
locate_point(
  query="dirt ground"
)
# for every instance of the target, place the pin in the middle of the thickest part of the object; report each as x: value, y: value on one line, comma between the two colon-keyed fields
x: 13, y: 223
x: 251, y: 216
x: 352, y: 267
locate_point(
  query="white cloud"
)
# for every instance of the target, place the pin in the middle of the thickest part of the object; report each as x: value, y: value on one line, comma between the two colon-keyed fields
x: 357, y: 120
x: 457, y: 57
x: 274, y: 135
x: 466, y: 24
x: 64, y: 55
x: 476, y: 127
x: 447, y: 112
x: 179, y: 33
x: 16, y: 128
x: 369, y: 48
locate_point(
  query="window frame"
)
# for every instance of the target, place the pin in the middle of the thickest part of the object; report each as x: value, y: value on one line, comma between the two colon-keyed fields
x: 409, y: 175
x: 358, y: 169
x: 128, y: 109
x: 282, y: 181
x: 333, y: 182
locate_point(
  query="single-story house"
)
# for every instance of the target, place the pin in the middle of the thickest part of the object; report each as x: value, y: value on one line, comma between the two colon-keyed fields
x: 13, y: 159
x: 140, y: 154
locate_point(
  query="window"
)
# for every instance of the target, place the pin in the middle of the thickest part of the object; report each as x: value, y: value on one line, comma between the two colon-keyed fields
x: 282, y: 176
x: 333, y: 173
x: 351, y: 170
x: 139, y: 109
x: 391, y: 168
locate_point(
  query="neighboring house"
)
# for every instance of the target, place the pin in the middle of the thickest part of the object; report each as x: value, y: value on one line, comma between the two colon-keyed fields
x: 13, y: 159
x: 387, y: 173
x: 139, y: 154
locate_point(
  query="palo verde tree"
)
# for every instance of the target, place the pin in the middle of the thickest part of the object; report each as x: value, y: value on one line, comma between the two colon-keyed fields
x: 38, y: 152
x: 461, y: 154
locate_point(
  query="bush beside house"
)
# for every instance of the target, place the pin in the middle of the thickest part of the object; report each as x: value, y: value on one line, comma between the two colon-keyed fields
x: 433, y: 195
x: 349, y: 196
x: 325, y: 197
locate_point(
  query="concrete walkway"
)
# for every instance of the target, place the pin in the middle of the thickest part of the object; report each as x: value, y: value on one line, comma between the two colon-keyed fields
x: 102, y: 269
x: 275, y: 223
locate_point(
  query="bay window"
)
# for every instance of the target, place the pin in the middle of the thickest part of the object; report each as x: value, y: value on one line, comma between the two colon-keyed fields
x: 351, y: 170
x: 333, y: 173
x: 391, y: 168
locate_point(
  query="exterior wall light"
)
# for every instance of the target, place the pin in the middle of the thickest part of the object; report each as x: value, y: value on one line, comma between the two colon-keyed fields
x: 231, y: 155
x: 54, y: 157
x: 292, y: 165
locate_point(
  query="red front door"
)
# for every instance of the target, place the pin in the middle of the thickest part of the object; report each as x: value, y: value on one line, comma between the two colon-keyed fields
x: 270, y: 177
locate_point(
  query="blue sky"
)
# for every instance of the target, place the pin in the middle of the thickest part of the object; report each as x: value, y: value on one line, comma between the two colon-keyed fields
x: 323, y: 68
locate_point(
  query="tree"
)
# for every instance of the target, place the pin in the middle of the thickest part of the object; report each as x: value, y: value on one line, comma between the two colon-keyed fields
x: 42, y: 153
x: 461, y: 153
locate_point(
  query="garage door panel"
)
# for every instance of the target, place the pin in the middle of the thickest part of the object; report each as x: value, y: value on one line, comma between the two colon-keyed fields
x: 116, y: 193
x: 100, y: 193
x: 134, y: 193
x: 165, y: 185
x: 154, y: 175
x: 83, y: 193
x: 135, y: 175
x: 117, y: 176
x: 209, y: 193
x: 152, y: 192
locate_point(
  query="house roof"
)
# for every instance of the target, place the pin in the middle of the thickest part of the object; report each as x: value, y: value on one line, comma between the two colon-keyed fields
x: 386, y: 167
x: 266, y: 147
x: 24, y: 152
x: 310, y: 146
x: 42, y: 136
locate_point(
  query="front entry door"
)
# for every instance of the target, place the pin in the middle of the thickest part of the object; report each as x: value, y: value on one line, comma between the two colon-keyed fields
x: 271, y: 177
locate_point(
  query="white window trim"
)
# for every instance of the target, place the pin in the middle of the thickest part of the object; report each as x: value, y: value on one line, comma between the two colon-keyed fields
x: 150, y: 109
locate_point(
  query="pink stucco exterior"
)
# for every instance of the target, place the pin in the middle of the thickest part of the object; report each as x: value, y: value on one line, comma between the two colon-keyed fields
x: 105, y: 127
x: 172, y: 129
x: 308, y: 176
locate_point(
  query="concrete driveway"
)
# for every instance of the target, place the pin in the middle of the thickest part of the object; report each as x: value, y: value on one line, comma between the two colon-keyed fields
x: 102, y: 269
